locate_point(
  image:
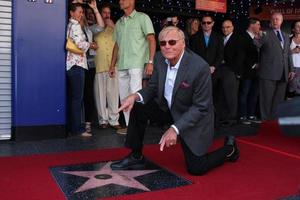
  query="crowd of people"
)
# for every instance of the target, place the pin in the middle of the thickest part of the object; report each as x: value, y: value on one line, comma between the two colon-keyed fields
x: 198, y: 80
x: 249, y: 72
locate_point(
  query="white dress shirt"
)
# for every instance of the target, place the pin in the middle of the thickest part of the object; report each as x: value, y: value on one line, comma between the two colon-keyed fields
x: 226, y: 38
x: 251, y: 34
x: 170, y: 80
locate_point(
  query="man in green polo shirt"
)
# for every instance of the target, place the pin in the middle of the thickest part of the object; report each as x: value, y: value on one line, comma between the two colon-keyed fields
x: 133, y: 51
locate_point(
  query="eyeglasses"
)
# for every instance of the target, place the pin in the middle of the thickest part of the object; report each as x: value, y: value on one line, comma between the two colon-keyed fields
x: 206, y: 22
x: 170, y: 42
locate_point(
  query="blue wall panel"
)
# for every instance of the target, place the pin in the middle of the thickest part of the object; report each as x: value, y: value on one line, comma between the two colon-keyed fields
x: 39, y: 63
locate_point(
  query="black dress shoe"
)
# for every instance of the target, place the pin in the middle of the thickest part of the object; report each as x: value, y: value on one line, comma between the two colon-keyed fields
x: 244, y: 120
x: 128, y: 163
x: 254, y: 119
x: 235, y: 154
x: 228, y: 123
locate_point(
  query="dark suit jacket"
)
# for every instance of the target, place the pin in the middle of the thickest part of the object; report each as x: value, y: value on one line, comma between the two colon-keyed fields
x: 191, y: 108
x: 249, y: 56
x: 213, y: 53
x: 275, y: 61
x: 233, y: 55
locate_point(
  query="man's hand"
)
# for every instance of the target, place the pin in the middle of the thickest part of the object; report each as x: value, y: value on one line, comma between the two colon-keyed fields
x: 148, y: 69
x: 212, y: 69
x: 291, y: 75
x: 112, y: 72
x: 296, y: 50
x: 93, y: 45
x: 259, y: 35
x: 109, y: 23
x: 93, y: 5
x: 168, y: 139
x: 127, y: 103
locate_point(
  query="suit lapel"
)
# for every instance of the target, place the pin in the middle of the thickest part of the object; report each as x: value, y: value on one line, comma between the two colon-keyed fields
x: 249, y: 38
x: 286, y: 44
x: 181, y: 74
x: 202, y: 40
x: 276, y: 39
x: 228, y: 43
x: 162, y: 78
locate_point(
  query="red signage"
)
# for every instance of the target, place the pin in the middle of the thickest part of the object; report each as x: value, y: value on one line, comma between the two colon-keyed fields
x: 212, y: 5
x: 264, y: 12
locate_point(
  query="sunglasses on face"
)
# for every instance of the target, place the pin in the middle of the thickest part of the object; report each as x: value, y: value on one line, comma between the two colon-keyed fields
x: 170, y: 42
x: 206, y: 22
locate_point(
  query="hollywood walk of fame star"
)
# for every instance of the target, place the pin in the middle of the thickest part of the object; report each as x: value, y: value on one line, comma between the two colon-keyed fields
x: 105, y: 176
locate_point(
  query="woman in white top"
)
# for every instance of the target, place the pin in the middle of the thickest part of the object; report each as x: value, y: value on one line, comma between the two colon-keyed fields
x: 76, y: 66
x: 295, y: 48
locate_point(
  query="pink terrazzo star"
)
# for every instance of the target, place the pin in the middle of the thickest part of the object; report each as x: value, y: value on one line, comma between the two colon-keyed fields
x: 105, y: 176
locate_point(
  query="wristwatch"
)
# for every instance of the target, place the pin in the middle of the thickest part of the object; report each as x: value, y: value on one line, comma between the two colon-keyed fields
x: 150, y: 62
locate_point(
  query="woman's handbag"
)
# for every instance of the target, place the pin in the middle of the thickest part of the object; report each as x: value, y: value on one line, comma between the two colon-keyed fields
x: 72, y: 47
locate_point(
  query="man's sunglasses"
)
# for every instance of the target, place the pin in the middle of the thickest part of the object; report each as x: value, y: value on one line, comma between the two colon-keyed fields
x: 170, y: 42
x: 206, y: 23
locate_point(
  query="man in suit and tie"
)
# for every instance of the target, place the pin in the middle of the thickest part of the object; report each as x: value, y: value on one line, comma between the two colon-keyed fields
x: 209, y: 45
x: 230, y: 71
x: 275, y: 66
x: 179, y: 91
x: 248, y: 90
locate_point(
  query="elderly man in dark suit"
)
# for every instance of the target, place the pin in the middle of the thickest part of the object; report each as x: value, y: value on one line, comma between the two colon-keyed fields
x: 274, y: 67
x: 180, y: 91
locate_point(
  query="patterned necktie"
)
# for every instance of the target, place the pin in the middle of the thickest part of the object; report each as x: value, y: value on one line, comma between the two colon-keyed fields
x: 279, y: 36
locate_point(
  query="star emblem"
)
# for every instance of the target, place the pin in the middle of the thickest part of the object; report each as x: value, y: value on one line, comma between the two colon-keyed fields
x: 105, y: 176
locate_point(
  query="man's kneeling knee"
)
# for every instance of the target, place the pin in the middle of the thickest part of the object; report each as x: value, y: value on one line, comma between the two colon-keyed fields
x: 196, y: 171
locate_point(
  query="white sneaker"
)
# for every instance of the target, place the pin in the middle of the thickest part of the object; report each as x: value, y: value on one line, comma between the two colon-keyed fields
x: 122, y: 131
x: 86, y: 134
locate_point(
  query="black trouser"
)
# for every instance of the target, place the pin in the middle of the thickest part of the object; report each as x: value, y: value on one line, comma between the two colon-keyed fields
x: 199, y: 165
x: 88, y: 98
x: 248, y: 96
x: 217, y: 98
x: 230, y: 85
x: 139, y: 116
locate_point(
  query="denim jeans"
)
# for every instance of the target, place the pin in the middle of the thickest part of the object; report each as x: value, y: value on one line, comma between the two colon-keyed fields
x: 75, y: 78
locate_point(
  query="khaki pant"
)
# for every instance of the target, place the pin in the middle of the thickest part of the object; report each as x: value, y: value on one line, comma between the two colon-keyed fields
x: 130, y: 81
x: 107, y: 98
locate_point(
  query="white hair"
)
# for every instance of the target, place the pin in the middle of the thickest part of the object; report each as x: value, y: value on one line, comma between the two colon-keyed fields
x: 168, y: 29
